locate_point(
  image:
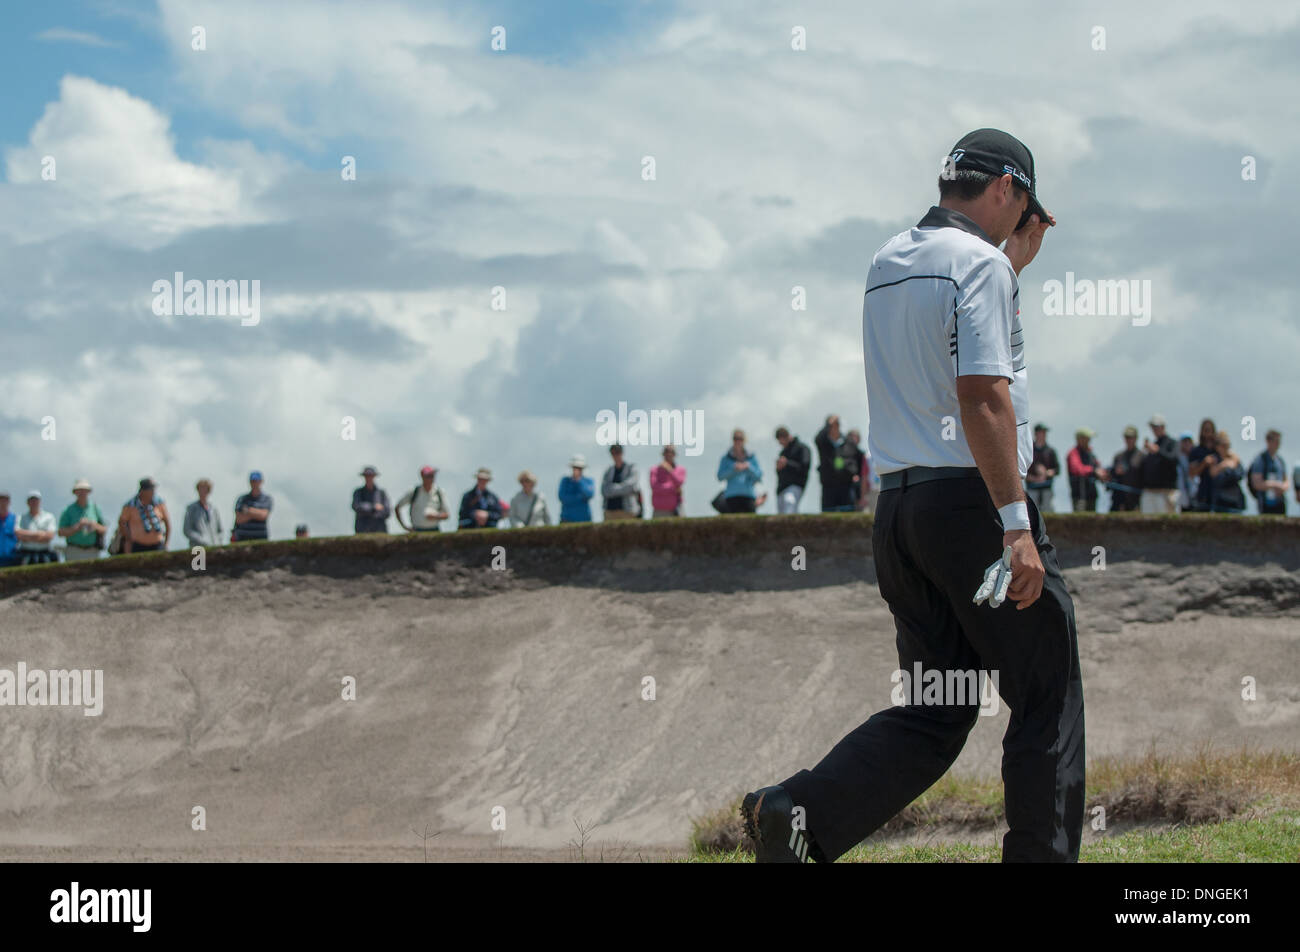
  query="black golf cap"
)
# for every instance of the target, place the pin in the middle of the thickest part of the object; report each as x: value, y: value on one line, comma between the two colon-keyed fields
x: 998, y: 153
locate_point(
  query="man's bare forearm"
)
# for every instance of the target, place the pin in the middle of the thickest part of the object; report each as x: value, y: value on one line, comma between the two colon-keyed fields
x: 989, y: 420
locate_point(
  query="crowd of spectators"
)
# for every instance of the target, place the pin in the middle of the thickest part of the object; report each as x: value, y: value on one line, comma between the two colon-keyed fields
x: 1192, y: 474
x: 1200, y: 473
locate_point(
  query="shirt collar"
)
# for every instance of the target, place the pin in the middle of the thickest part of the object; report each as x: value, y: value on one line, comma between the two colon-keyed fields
x: 938, y: 217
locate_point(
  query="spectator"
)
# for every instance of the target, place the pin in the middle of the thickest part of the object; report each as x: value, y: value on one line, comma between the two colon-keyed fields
x: 528, y: 508
x: 855, y: 462
x: 301, y: 531
x: 83, y: 525
x: 202, y: 525
x: 1083, y: 471
x: 576, y: 491
x: 8, y: 534
x: 620, y: 489
x: 792, y: 468
x: 1268, y: 482
x: 1043, y: 470
x: 145, y: 523
x: 1159, y: 470
x: 1126, y: 471
x: 480, y: 508
x: 837, y: 485
x: 1197, y: 463
x: 666, y: 481
x: 1186, y: 485
x: 35, y: 532
x: 426, y: 504
x: 739, y: 468
x: 371, y: 504
x: 760, y: 496
x: 1225, y: 472
x: 252, y: 510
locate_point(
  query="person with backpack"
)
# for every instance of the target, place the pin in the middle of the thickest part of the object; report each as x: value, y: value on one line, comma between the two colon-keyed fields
x: 1267, y: 476
x: 426, y: 504
x: 528, y: 507
x: 83, y: 525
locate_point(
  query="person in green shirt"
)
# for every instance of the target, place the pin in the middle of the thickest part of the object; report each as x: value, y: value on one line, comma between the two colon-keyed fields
x: 82, y: 524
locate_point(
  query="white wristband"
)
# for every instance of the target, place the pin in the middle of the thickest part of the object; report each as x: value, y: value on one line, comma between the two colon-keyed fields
x: 1014, y: 515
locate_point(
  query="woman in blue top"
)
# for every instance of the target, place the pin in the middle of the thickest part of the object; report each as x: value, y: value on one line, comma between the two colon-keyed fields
x: 739, y: 467
x: 575, y: 493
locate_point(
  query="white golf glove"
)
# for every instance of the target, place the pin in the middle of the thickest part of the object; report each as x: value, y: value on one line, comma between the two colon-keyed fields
x: 997, y: 579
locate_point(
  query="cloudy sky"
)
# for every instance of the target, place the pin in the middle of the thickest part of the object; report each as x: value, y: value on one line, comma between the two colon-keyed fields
x: 522, y: 168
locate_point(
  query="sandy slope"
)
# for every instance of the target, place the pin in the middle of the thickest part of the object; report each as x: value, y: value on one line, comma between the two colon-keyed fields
x: 523, y: 690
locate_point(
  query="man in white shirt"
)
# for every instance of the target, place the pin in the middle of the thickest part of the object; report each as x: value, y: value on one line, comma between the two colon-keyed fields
x: 949, y: 402
x: 426, y: 503
x: 35, y: 531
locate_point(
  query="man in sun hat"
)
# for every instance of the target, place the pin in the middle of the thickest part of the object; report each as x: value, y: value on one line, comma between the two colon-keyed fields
x: 371, y: 504
x: 82, y: 525
x: 480, y: 508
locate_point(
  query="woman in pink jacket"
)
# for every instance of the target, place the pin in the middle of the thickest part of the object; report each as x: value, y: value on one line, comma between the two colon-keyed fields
x: 666, y: 481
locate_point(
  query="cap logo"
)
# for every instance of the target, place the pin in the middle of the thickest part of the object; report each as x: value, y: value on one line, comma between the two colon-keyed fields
x: 1021, y: 176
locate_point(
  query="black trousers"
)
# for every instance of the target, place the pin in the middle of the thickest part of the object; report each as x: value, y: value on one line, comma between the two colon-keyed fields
x: 931, y: 543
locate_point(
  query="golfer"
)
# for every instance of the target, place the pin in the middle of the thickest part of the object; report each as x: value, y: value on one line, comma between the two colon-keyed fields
x: 954, y: 533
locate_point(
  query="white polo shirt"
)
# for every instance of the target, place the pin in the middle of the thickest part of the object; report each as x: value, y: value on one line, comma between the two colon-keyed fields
x: 941, y: 302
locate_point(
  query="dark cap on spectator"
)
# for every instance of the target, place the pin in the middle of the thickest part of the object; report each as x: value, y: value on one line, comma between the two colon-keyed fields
x: 147, y: 483
x: 255, y: 475
x: 370, y: 471
x: 1040, y: 426
x: 616, y: 448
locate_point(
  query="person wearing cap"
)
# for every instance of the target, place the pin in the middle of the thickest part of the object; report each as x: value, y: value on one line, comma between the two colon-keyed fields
x: 82, y: 525
x: 576, y: 492
x: 528, y: 508
x: 202, y: 524
x: 371, y: 504
x: 252, y: 511
x: 35, y: 532
x: 8, y: 533
x: 144, y: 522
x: 667, y: 485
x: 1126, y: 471
x: 620, y: 487
x: 1084, y: 470
x: 1044, y: 467
x: 792, y: 468
x: 480, y: 508
x: 1159, y: 470
x: 946, y: 383
x: 426, y: 504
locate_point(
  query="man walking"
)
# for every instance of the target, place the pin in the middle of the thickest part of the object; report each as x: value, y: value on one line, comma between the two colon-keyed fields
x: 944, y: 350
